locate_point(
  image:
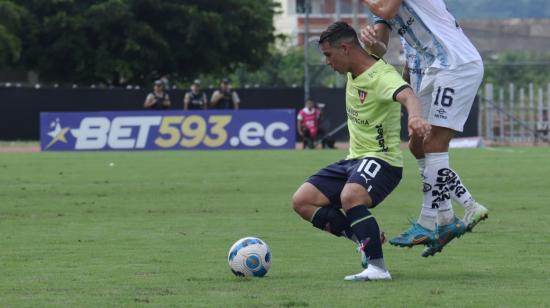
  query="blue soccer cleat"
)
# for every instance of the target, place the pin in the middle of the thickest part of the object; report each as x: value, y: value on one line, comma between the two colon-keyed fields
x: 443, y: 235
x: 415, y: 235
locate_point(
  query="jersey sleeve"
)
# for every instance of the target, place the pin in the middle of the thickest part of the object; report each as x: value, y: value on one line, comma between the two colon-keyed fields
x: 378, y: 20
x: 392, y: 84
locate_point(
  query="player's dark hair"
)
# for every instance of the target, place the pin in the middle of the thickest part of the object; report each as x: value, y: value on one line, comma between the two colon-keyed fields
x: 338, y: 31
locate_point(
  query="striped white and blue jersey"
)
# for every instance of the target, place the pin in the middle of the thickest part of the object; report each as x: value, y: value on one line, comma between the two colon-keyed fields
x: 415, y: 64
x: 433, y: 34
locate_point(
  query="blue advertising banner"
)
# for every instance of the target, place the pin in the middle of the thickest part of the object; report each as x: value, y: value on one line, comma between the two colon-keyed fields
x: 168, y: 130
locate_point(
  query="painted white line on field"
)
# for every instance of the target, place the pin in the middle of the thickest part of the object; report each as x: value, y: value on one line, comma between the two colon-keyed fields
x: 503, y: 150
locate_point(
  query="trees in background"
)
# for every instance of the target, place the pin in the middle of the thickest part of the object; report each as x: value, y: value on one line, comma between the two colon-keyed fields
x: 518, y: 67
x: 133, y: 41
x: 12, y: 22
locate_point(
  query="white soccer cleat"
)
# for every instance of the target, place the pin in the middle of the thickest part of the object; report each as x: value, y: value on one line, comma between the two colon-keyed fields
x: 473, y: 214
x: 370, y: 273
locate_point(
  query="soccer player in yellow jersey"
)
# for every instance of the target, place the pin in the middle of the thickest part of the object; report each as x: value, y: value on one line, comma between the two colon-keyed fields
x: 337, y: 199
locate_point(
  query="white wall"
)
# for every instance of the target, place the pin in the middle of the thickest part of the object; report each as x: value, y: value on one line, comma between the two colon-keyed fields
x: 286, y: 22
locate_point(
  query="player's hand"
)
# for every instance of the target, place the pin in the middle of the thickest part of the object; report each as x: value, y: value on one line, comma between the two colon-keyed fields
x: 368, y: 36
x: 418, y: 126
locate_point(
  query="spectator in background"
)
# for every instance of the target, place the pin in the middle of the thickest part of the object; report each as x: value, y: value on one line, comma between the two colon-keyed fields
x: 196, y: 98
x: 308, y: 123
x: 224, y: 97
x: 158, y: 99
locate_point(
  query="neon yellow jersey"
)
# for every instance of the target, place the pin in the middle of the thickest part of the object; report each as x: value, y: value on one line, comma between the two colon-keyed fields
x: 374, y: 117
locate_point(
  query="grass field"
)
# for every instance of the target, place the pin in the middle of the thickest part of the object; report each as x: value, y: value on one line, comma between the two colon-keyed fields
x: 155, y: 229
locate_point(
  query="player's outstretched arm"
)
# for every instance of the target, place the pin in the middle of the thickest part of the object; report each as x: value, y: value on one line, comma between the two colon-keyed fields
x: 416, y: 124
x: 376, y: 38
x: 385, y: 9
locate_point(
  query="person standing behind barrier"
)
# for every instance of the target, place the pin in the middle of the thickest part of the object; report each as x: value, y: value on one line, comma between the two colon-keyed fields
x: 224, y: 97
x: 308, y: 123
x: 196, y: 98
x: 158, y: 99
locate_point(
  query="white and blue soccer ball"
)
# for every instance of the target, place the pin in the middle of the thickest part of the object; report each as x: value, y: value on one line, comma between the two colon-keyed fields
x: 249, y: 257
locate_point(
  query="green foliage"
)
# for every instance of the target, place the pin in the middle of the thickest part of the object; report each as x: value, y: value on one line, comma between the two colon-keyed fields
x: 154, y: 230
x: 518, y: 67
x: 119, y: 41
x: 12, y: 17
x: 285, y: 68
x: 499, y: 9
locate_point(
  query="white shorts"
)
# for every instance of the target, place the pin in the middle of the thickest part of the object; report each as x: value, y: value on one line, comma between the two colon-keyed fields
x: 447, y: 95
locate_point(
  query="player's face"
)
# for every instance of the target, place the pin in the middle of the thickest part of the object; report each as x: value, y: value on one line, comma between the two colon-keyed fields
x: 334, y: 57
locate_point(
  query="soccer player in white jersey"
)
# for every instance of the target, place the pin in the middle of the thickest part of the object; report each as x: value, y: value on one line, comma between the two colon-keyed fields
x: 445, y: 70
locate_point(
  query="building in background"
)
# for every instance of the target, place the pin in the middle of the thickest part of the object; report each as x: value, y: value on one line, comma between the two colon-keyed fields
x: 323, y: 12
x: 291, y: 22
x: 488, y: 35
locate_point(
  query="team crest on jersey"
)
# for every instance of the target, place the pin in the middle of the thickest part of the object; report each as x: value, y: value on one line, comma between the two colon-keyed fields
x: 362, y: 95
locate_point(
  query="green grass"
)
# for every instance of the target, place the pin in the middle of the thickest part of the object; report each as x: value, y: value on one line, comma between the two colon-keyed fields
x: 155, y: 229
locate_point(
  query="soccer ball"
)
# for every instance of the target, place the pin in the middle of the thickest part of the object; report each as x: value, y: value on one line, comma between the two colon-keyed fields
x: 249, y: 257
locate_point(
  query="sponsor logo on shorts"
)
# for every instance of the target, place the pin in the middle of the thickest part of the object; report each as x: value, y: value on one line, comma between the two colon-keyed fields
x: 368, y: 169
x: 440, y: 114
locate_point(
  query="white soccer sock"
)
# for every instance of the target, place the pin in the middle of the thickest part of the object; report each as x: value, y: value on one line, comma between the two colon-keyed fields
x: 427, y: 218
x: 459, y: 192
x: 378, y: 263
x: 421, y: 166
x: 436, y: 189
x: 428, y: 214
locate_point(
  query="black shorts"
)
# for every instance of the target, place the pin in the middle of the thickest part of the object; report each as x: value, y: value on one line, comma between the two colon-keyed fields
x: 377, y: 176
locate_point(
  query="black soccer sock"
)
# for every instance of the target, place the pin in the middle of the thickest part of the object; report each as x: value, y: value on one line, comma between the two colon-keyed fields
x: 332, y: 220
x: 366, y: 230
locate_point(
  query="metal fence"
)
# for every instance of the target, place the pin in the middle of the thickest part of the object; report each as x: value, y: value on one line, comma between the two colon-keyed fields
x: 515, y: 114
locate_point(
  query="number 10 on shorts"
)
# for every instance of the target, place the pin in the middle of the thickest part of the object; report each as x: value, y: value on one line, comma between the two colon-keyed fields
x: 368, y: 169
